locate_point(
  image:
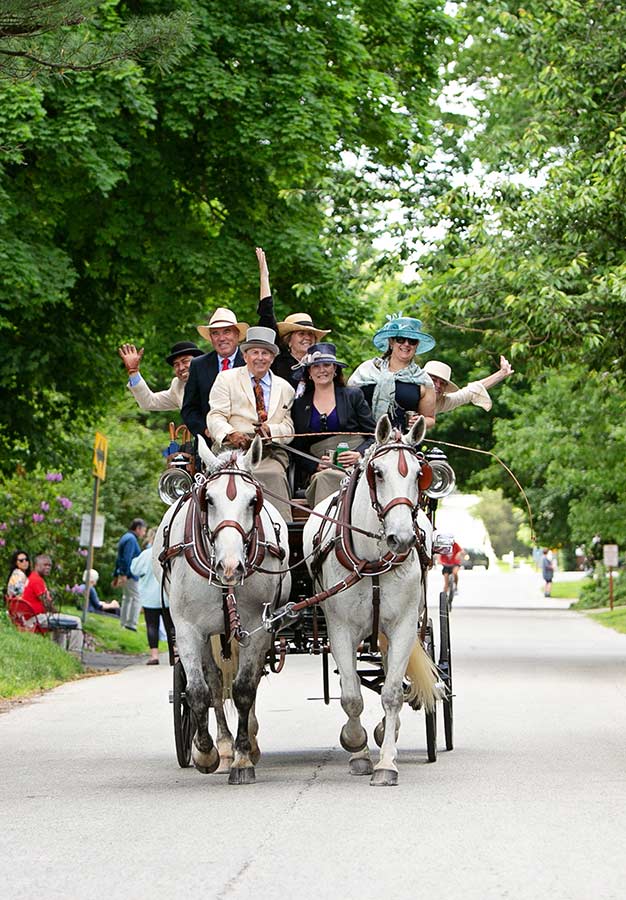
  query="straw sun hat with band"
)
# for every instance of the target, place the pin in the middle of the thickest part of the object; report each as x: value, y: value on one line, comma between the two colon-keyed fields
x: 223, y: 318
x: 299, y: 322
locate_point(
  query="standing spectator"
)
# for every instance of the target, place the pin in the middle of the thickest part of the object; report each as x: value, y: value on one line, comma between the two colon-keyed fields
x: 450, y: 565
x: 19, y: 570
x: 65, y: 630
x: 150, y: 596
x: 95, y: 604
x: 547, y: 572
x: 127, y: 549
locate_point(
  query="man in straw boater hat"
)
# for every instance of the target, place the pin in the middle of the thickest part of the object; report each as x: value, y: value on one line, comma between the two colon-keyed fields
x: 449, y: 396
x: 252, y: 400
x: 224, y: 332
x: 179, y: 358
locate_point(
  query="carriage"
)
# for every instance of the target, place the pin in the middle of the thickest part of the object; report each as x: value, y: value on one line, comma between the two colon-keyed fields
x: 299, y: 626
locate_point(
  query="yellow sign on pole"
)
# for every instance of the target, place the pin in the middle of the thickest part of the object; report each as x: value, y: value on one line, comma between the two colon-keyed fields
x: 100, y: 448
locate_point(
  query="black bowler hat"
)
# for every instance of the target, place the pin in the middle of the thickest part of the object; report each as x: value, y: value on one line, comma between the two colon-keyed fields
x: 183, y: 348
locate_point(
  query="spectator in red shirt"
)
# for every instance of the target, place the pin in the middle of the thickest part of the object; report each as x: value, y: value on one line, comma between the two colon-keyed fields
x: 65, y: 630
x: 451, y: 562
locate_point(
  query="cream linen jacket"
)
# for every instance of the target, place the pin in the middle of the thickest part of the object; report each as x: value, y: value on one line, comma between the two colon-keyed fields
x: 232, y: 406
x: 172, y: 398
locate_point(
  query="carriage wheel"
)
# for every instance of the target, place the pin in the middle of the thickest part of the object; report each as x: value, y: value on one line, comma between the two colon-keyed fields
x: 183, y: 719
x: 431, y: 717
x: 445, y: 669
x: 325, y: 678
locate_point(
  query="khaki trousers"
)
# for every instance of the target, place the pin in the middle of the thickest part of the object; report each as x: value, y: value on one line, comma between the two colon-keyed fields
x: 326, y: 482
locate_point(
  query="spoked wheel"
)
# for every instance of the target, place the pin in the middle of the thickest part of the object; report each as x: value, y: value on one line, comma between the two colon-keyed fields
x: 431, y: 717
x: 183, y: 718
x: 445, y: 669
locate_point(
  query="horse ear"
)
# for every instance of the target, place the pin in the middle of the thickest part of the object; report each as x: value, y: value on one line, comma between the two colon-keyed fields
x: 383, y: 430
x: 253, y: 457
x: 205, y: 453
x: 417, y: 432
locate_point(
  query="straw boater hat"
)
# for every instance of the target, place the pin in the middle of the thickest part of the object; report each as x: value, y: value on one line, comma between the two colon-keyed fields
x: 223, y: 318
x: 441, y: 370
x: 320, y: 353
x: 183, y: 348
x: 406, y: 327
x: 299, y: 322
x: 257, y: 336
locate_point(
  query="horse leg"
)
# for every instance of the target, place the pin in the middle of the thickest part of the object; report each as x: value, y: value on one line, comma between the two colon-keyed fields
x: 253, y: 730
x: 224, y: 741
x: 191, y: 646
x: 392, y: 698
x: 353, y: 737
x: 244, y: 695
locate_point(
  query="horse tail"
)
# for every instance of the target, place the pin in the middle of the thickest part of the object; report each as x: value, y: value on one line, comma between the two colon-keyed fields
x: 421, y: 672
x: 228, y: 667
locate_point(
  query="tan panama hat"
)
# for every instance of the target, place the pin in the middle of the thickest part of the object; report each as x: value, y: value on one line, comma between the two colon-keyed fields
x: 299, y: 322
x: 223, y: 318
x: 441, y: 370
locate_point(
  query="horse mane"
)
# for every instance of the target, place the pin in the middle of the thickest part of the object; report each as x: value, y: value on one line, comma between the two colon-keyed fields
x: 226, y: 460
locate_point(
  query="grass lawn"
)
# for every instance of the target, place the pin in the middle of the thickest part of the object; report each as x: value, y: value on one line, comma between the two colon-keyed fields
x: 612, y: 618
x: 29, y: 662
x: 567, y: 590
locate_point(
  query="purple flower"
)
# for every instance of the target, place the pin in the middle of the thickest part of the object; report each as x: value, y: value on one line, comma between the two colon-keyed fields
x: 54, y: 476
x: 38, y: 517
x: 77, y: 589
x: 65, y: 502
x: 83, y: 552
x: 2, y: 542
x: 3, y: 526
x: 44, y: 506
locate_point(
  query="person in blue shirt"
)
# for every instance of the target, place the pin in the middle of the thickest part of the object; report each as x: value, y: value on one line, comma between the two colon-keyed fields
x: 150, y: 595
x: 127, y: 549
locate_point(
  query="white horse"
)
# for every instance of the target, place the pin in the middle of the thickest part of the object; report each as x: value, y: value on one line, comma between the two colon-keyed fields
x: 228, y: 517
x: 383, y: 502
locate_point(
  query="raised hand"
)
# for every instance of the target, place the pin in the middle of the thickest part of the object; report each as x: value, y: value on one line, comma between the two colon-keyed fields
x: 131, y: 357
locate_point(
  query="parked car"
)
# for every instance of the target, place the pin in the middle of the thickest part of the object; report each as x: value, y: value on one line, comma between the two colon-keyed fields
x: 473, y: 558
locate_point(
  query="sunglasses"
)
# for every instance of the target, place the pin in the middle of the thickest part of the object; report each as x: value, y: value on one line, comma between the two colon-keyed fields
x: 22, y: 559
x: 402, y: 340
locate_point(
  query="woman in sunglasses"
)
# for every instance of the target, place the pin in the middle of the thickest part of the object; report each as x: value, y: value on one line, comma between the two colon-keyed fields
x: 394, y: 383
x: 19, y: 570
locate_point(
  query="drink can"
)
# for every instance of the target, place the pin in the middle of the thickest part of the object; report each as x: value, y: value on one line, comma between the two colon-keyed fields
x: 341, y: 448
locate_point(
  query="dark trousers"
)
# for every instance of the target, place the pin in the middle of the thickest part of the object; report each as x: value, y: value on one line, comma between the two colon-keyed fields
x: 152, y: 624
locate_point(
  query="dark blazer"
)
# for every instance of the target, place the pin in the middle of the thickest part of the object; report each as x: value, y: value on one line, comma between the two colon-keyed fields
x: 282, y: 366
x: 352, y: 410
x: 203, y: 372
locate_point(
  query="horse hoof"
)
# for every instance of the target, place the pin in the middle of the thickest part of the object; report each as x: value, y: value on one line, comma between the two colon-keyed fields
x: 205, y: 762
x: 361, y: 766
x: 242, y: 776
x: 384, y: 778
x: 351, y: 748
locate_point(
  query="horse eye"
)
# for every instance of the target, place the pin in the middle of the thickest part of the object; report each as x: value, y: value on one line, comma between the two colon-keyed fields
x: 252, y: 502
x: 378, y: 474
x: 209, y: 501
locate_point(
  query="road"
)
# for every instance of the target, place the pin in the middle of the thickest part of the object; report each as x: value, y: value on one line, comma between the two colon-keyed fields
x: 530, y: 804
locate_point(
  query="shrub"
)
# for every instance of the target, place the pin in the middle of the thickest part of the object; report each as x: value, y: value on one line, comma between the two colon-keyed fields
x: 595, y: 591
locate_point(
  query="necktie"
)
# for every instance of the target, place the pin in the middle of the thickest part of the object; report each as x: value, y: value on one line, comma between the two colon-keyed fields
x: 225, y: 364
x: 260, y: 401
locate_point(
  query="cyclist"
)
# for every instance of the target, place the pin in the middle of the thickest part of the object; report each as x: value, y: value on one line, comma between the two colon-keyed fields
x: 451, y: 563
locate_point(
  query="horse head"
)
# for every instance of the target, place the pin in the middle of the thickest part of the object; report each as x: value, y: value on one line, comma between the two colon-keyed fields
x: 393, y: 470
x: 233, y: 501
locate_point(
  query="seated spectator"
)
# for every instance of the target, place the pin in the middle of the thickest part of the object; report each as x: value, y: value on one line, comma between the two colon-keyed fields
x: 327, y: 405
x: 251, y: 400
x: 67, y: 631
x: 394, y: 383
x: 19, y: 570
x: 96, y: 605
x: 150, y: 596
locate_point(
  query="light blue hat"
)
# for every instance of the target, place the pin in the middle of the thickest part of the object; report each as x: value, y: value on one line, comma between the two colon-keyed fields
x: 403, y: 326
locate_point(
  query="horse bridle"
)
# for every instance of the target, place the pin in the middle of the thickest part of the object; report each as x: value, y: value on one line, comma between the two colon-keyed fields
x: 231, y: 493
x: 423, y: 482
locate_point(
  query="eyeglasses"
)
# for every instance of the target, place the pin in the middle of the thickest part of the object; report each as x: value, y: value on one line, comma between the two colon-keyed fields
x: 22, y: 559
x: 403, y: 340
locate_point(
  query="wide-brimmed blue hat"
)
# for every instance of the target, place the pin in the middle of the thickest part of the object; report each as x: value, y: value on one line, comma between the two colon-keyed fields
x: 320, y: 353
x: 403, y: 326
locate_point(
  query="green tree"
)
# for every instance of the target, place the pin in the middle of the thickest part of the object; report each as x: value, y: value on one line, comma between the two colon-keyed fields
x: 503, y: 522
x: 130, y: 203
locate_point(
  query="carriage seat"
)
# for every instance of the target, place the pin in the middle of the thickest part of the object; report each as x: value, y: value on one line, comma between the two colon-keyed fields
x: 301, y: 511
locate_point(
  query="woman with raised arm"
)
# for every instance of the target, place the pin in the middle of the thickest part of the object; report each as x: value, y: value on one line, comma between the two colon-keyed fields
x: 449, y: 396
x: 394, y: 383
x: 327, y: 405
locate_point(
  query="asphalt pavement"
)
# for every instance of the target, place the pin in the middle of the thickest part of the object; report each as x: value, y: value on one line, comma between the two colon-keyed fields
x: 529, y: 804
